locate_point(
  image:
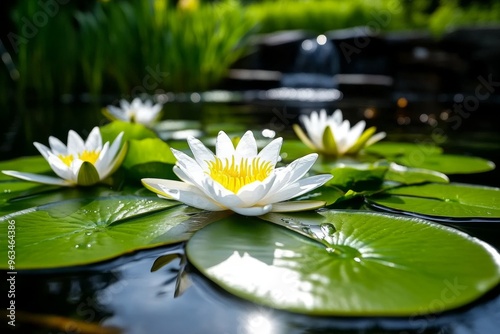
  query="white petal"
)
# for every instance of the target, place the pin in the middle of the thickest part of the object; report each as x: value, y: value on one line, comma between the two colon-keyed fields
x: 253, y: 211
x: 159, y: 186
x: 220, y: 194
x: 124, y: 104
x: 118, y: 113
x: 247, y: 146
x: 271, y: 152
x: 354, y: 133
x: 57, y: 146
x: 291, y: 173
x: 75, y: 143
x: 191, y: 196
x: 223, y: 146
x: 45, y: 179
x: 187, y: 177
x: 106, y: 157
x: 200, y: 153
x: 94, y: 140
x: 336, y: 117
x: 375, y: 138
x: 293, y: 206
x: 340, y: 134
x: 187, y: 164
x: 136, y: 103
x: 102, y: 164
x: 299, y: 167
x: 254, y: 192
x: 298, y: 188
x: 44, y: 150
x: 323, y: 118
x: 314, y: 129
x: 61, y: 169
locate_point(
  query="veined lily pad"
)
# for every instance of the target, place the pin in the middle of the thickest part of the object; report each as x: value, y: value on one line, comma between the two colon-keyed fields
x: 86, y: 230
x: 448, y: 163
x: 393, y: 149
x: 361, y: 264
x: 442, y: 201
x: 406, y: 175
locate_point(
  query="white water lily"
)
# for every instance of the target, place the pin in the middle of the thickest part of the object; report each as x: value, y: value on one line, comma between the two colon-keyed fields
x: 145, y: 113
x: 239, y: 179
x: 332, y: 136
x: 80, y: 163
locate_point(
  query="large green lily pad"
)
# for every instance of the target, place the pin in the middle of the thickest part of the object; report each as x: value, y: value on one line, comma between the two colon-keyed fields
x: 360, y: 264
x: 445, y: 201
x: 393, y: 149
x: 448, y: 163
x: 87, y: 230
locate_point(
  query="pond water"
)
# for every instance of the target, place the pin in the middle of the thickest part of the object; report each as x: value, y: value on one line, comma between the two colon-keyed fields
x: 155, y: 291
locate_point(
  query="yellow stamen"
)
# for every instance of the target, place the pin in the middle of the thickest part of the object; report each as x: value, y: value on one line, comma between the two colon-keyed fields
x: 233, y: 176
x: 90, y: 156
x: 67, y: 159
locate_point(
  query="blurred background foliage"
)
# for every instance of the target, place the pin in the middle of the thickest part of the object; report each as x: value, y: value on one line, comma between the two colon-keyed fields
x: 130, y: 47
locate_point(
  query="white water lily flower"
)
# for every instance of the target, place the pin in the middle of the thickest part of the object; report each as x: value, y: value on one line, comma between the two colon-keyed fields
x: 136, y: 112
x: 332, y: 136
x: 80, y: 163
x: 239, y: 179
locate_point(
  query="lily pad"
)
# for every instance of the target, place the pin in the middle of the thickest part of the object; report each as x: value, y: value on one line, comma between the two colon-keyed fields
x: 130, y: 131
x: 407, y: 175
x: 448, y: 163
x: 150, y: 157
x: 16, y: 188
x: 328, y: 194
x: 30, y: 164
x: 360, y: 177
x: 363, y: 264
x: 87, y: 230
x: 442, y: 201
x: 392, y: 149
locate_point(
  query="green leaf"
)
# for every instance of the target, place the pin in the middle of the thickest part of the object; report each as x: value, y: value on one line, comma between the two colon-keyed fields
x: 31, y: 164
x: 360, y: 177
x: 360, y: 143
x: 328, y: 194
x: 131, y: 131
x: 14, y: 189
x: 393, y: 149
x: 442, y: 201
x: 448, y: 163
x: 148, y: 150
x: 406, y: 175
x: 87, y: 175
x: 87, y: 230
x: 149, y: 157
x: 329, y: 143
x: 361, y: 264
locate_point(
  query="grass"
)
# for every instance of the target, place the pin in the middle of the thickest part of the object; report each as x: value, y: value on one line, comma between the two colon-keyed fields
x: 129, y: 47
